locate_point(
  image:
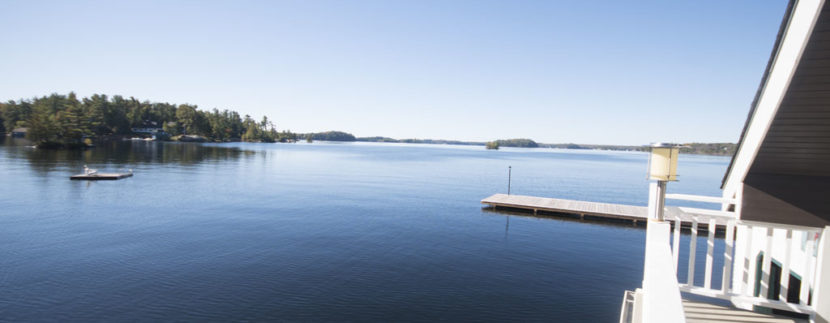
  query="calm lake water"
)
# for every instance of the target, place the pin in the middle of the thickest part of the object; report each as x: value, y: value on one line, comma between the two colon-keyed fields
x: 318, y: 232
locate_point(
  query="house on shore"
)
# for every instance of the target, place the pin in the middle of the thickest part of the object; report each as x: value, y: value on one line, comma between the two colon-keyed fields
x: 775, y: 263
x: 19, y: 132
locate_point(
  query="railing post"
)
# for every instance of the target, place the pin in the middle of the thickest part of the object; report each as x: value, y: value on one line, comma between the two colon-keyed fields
x: 766, y: 264
x: 676, y: 245
x: 785, y: 267
x: 807, y: 280
x: 661, y: 293
x: 749, y: 259
x: 656, y: 200
x: 821, y: 293
x: 710, y: 247
x: 690, y: 279
x: 726, y: 282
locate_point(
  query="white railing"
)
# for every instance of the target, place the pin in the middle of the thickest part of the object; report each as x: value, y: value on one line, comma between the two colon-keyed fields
x: 739, y: 261
x: 749, y: 247
x: 627, y: 314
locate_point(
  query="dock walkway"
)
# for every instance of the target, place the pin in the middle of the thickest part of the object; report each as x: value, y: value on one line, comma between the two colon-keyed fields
x: 585, y: 209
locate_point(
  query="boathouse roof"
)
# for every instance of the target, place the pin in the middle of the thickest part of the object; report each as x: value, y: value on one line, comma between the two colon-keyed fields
x: 781, y: 169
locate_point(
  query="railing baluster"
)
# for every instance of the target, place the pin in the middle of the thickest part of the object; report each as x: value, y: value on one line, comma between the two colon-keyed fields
x: 676, y: 246
x: 690, y: 280
x: 749, y: 261
x: 710, y: 248
x: 785, y: 267
x: 765, y: 265
x: 726, y: 282
x: 807, y: 280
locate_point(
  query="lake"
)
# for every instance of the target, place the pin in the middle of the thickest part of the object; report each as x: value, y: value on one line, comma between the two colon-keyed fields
x: 319, y: 232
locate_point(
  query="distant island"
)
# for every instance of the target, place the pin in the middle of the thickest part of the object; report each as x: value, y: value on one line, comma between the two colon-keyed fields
x: 65, y: 121
x: 327, y: 136
x: 718, y: 149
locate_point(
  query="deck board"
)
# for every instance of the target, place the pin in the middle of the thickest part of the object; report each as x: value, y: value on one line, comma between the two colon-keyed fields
x: 703, y: 312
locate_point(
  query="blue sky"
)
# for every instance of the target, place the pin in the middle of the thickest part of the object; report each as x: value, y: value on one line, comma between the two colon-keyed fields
x: 594, y: 72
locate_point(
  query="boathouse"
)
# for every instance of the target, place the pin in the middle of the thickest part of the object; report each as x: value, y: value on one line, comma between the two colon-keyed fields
x: 776, y: 202
x: 19, y: 132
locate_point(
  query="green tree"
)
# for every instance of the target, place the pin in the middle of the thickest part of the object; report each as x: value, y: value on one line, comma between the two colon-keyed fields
x: 42, y: 125
x: 2, y: 122
x: 16, y: 114
x: 72, y: 121
x: 171, y: 127
x: 186, y: 116
x: 95, y: 109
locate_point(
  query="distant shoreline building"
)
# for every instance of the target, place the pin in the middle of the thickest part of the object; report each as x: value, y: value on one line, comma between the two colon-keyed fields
x: 19, y: 132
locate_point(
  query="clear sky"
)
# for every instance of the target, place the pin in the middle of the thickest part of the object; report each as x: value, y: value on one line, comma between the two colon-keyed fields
x: 593, y: 72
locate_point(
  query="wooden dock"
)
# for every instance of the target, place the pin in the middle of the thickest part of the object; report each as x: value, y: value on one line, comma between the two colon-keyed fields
x: 585, y: 209
x: 101, y: 176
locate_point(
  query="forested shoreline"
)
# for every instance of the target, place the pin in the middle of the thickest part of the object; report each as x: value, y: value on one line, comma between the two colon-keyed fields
x: 66, y: 121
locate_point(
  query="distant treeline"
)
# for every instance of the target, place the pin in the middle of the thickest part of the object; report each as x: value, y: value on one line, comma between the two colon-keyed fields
x: 64, y: 120
x: 527, y: 143
x: 727, y: 149
x: 420, y: 141
x: 723, y: 149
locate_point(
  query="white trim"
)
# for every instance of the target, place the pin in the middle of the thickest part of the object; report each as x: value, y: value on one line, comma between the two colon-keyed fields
x: 707, y: 212
x: 780, y: 226
x: 801, y: 23
x: 699, y: 198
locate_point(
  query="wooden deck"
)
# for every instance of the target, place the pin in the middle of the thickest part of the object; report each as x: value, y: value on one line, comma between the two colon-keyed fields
x: 100, y: 176
x: 585, y: 209
x: 703, y: 312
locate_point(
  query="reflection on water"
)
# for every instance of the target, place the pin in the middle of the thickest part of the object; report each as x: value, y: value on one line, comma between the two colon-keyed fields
x: 116, y: 154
